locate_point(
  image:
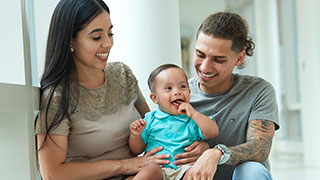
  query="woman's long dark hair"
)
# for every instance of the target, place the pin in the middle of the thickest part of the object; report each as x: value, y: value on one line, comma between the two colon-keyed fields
x: 69, y: 17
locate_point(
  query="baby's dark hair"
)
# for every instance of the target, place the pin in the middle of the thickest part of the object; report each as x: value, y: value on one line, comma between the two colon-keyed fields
x: 158, y: 70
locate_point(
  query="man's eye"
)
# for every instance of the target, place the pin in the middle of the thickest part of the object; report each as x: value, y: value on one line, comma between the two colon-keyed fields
x: 200, y: 55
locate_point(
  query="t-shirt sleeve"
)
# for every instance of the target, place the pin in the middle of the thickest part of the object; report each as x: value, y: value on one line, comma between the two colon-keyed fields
x: 42, y: 123
x: 145, y: 133
x: 265, y: 105
x: 133, y: 83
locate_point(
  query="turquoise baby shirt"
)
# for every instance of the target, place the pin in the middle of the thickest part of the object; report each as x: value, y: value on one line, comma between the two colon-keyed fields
x: 174, y: 133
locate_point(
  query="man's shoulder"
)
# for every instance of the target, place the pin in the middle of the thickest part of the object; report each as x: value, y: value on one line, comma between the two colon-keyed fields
x: 250, y: 81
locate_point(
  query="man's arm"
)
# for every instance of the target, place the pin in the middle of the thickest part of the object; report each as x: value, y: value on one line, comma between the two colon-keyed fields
x: 258, y: 145
x: 257, y: 148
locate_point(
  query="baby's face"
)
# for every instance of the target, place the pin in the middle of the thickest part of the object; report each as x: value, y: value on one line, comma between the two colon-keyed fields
x: 170, y: 89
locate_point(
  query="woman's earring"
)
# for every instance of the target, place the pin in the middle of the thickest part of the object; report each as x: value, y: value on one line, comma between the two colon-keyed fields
x: 71, y: 49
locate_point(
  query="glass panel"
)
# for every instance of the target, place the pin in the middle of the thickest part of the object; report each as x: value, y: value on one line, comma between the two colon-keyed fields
x: 11, y: 44
x: 14, y: 152
x: 42, y: 15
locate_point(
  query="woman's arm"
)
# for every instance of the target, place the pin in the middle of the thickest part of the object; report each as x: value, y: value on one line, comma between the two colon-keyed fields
x: 143, y: 109
x: 53, y: 165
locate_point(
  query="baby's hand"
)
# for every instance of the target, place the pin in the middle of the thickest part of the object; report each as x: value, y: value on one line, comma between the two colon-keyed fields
x: 137, y: 126
x: 186, y: 108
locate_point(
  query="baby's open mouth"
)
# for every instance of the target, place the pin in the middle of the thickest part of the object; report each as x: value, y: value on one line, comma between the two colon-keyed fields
x: 177, y: 102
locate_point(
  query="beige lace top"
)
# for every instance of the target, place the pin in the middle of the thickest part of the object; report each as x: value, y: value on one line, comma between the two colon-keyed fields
x: 100, y: 119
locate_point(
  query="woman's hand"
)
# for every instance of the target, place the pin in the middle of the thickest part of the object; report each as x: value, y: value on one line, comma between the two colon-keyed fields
x: 138, y: 162
x: 205, y: 167
x: 193, y: 152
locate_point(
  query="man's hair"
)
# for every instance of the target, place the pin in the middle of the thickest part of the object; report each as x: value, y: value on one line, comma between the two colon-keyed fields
x: 158, y: 70
x: 229, y: 26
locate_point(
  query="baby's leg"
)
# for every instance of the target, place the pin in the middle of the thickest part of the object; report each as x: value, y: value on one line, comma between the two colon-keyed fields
x: 149, y: 171
x: 186, y: 175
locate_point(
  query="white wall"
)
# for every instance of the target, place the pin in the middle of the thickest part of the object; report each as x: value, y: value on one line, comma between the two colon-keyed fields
x: 267, y: 44
x: 11, y: 46
x: 309, y: 65
x: 42, y: 16
x: 147, y: 34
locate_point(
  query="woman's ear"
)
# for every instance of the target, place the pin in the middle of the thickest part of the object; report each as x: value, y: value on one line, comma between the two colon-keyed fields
x: 153, y: 97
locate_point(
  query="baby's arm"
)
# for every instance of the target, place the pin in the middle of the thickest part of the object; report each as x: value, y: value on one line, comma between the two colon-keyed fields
x: 136, y: 143
x: 208, y: 127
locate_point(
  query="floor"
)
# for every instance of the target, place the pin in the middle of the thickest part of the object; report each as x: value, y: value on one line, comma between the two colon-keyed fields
x: 284, y: 168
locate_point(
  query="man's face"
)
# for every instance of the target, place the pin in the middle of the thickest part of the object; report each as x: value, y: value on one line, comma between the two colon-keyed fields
x: 214, y: 61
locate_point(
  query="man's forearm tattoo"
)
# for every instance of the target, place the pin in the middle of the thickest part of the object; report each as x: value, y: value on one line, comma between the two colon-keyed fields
x: 258, y: 145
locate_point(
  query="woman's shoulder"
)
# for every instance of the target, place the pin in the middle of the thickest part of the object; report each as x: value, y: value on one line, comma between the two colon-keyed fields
x: 120, y: 72
x: 52, y: 92
x: 117, y: 67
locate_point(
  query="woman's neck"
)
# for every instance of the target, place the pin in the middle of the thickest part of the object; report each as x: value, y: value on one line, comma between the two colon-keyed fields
x: 90, y: 79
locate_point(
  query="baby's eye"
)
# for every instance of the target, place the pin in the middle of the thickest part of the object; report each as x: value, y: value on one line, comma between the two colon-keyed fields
x: 168, y: 88
x: 184, y: 86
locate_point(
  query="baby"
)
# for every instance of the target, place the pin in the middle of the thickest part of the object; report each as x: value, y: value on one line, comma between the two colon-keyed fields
x: 174, y: 125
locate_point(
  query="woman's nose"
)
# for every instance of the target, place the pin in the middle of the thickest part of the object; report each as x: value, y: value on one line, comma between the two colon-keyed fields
x: 107, y: 43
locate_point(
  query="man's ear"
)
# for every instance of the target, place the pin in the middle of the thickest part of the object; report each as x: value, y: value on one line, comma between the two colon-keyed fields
x: 240, y: 57
x: 153, y: 97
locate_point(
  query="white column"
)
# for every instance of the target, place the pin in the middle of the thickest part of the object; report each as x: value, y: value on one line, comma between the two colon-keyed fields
x: 309, y: 63
x: 147, y: 34
x: 267, y: 43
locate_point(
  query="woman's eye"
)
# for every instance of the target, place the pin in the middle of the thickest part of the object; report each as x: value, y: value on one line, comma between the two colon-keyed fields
x: 96, y: 38
x: 110, y: 34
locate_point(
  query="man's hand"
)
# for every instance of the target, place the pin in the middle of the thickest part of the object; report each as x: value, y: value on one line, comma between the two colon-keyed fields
x: 205, y: 167
x: 193, y: 152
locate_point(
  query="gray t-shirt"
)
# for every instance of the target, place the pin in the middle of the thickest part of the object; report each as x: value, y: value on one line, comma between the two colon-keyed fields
x: 248, y: 98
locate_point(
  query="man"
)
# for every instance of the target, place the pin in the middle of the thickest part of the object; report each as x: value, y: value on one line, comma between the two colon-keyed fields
x: 244, y: 107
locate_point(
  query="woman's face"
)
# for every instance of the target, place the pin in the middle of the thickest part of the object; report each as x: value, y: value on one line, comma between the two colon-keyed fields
x: 92, y: 45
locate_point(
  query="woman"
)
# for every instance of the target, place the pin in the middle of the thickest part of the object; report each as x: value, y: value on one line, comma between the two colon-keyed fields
x: 87, y: 105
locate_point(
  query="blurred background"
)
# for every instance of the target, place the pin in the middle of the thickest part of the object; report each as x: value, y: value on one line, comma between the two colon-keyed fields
x: 152, y: 32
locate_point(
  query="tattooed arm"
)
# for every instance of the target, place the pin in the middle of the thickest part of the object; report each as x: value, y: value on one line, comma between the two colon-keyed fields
x: 258, y: 145
x: 257, y: 148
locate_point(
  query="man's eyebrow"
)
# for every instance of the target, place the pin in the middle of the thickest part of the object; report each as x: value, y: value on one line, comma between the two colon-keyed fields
x: 219, y: 57
x: 214, y: 57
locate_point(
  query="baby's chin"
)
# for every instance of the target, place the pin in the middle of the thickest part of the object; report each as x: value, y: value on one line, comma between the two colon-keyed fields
x: 171, y: 112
